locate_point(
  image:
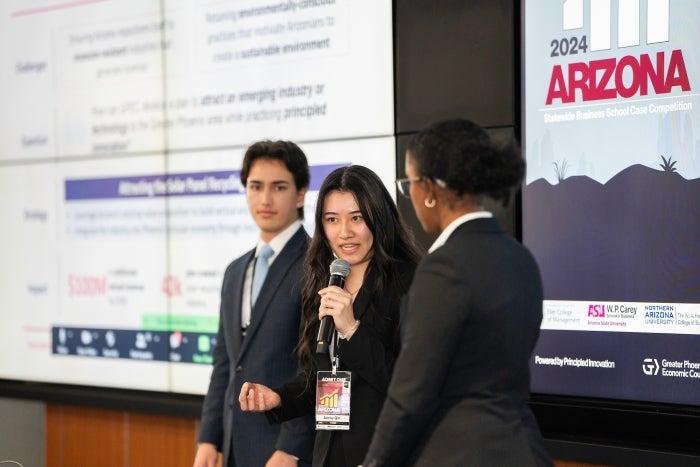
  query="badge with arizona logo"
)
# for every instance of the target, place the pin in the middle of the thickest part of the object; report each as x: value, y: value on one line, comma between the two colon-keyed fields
x: 333, y: 400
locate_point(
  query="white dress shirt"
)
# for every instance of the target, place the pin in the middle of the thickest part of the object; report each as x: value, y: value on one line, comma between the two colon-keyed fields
x: 277, y: 244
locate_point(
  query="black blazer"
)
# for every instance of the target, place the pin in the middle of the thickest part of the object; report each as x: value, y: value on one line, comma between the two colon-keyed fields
x: 461, y: 384
x: 266, y: 355
x: 370, y: 356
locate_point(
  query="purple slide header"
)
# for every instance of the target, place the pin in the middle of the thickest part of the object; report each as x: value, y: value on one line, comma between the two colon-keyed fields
x: 185, y: 184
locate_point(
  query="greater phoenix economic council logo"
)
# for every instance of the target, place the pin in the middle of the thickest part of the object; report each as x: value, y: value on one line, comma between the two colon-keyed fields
x: 650, y: 366
x: 614, y: 77
x: 672, y: 368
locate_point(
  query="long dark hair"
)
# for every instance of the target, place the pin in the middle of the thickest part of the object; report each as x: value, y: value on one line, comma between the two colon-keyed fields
x: 391, y: 244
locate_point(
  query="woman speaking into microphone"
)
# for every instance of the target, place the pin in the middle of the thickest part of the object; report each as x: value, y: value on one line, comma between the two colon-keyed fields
x: 345, y: 381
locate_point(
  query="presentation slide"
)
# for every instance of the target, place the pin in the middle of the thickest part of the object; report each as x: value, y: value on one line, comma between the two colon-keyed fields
x: 612, y: 141
x: 121, y: 137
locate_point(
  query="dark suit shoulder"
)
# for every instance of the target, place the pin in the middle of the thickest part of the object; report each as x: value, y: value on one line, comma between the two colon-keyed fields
x: 470, y: 237
x: 297, y: 244
x: 239, y: 264
x: 483, y: 225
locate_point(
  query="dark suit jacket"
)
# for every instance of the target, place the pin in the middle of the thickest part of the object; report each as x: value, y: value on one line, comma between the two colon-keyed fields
x: 460, y: 388
x: 266, y: 355
x: 370, y: 357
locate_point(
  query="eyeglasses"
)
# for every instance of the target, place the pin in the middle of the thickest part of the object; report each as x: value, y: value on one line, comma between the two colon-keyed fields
x: 404, y: 185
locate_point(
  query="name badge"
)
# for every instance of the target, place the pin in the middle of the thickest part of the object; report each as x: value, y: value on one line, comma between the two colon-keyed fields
x: 333, y: 400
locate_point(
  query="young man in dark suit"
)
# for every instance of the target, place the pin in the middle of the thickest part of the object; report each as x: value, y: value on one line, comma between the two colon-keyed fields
x: 258, y: 331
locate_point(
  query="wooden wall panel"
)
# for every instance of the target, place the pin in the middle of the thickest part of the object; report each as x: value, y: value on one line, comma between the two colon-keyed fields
x: 79, y: 436
x: 157, y: 440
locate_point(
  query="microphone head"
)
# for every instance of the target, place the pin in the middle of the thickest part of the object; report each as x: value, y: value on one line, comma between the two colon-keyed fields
x: 340, y: 267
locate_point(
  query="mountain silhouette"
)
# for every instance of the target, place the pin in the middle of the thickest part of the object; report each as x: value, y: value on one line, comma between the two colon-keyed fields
x: 634, y: 238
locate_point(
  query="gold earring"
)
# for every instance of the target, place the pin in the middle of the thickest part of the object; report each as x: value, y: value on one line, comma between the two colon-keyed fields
x: 429, y: 204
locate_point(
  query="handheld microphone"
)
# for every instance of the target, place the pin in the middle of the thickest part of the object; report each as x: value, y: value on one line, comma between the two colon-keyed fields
x: 339, y: 271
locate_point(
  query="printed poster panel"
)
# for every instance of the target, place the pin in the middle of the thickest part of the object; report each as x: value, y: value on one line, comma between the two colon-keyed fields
x: 611, y: 201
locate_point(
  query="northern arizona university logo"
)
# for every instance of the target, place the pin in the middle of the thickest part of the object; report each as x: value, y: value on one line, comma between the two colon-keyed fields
x: 650, y: 366
x: 610, y: 78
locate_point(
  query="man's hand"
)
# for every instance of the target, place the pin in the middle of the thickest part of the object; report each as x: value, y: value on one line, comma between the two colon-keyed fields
x: 281, y: 459
x: 206, y: 456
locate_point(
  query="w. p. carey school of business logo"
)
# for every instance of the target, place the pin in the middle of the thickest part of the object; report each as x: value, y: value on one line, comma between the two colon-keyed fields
x: 613, y: 77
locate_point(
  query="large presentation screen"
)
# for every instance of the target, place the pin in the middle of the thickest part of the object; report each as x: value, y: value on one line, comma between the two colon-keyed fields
x: 122, y: 129
x: 611, y: 204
